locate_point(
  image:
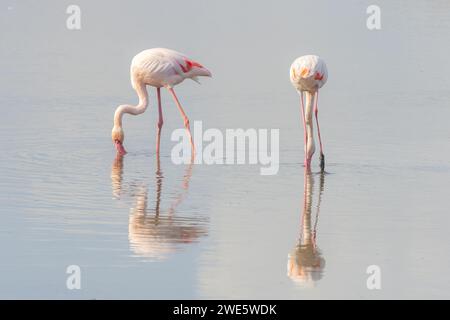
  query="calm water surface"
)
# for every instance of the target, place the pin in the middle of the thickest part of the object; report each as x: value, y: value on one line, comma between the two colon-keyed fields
x: 140, y: 227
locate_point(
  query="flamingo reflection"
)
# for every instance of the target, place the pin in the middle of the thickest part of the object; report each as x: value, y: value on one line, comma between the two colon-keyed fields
x: 155, y: 232
x: 305, y: 262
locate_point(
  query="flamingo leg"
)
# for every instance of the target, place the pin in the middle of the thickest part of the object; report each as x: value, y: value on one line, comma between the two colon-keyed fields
x: 185, y: 118
x: 316, y: 112
x: 305, y: 134
x: 160, y: 121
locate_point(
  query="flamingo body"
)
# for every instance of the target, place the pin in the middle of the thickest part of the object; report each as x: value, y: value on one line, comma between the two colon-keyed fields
x: 160, y: 67
x: 308, y: 73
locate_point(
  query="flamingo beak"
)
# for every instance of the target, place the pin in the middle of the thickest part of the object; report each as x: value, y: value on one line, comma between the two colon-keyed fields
x: 206, y: 72
x: 119, y: 147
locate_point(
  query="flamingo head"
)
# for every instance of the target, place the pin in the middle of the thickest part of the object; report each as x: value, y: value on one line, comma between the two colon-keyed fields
x: 118, y: 136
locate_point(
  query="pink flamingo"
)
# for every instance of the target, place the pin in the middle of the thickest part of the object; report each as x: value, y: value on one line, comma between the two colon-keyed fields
x: 158, y: 68
x: 308, y: 74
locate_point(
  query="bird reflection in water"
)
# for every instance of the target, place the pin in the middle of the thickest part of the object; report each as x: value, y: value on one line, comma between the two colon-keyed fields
x: 156, y: 233
x: 305, y: 262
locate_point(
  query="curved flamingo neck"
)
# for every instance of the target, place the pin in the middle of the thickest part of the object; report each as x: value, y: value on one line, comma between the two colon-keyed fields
x: 134, y: 110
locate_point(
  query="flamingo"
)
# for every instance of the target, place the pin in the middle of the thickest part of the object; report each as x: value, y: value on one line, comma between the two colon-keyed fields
x: 157, y: 67
x: 308, y: 74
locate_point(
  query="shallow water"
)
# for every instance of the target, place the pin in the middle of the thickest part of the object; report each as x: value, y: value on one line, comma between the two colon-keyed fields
x: 139, y: 228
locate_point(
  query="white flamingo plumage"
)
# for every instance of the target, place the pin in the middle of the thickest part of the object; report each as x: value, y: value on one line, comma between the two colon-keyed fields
x: 159, y: 68
x: 308, y: 74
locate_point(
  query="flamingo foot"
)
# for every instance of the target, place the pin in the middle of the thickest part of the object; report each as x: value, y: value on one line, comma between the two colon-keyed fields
x: 119, y: 147
x: 322, y: 162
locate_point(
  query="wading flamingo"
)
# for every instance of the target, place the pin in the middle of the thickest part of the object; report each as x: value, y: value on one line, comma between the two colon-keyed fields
x: 158, y: 68
x: 308, y: 74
